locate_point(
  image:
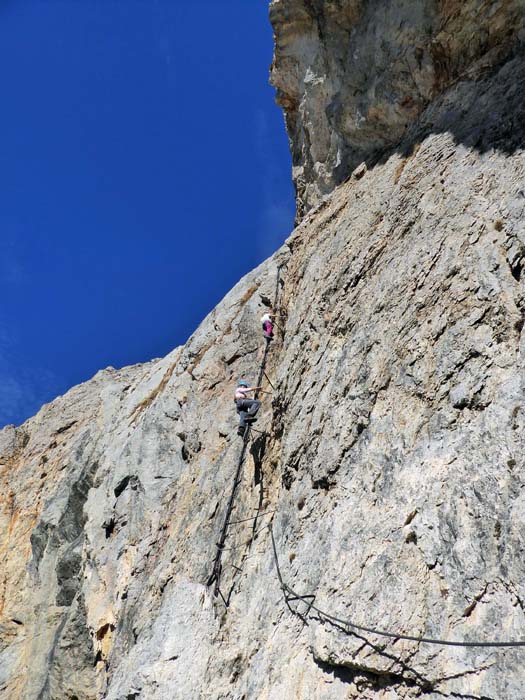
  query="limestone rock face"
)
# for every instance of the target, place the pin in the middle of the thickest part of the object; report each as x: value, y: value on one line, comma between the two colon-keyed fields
x: 352, y: 75
x: 389, y: 459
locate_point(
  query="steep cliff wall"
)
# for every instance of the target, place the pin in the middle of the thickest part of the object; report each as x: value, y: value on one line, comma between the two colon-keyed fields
x: 391, y: 450
x: 352, y: 75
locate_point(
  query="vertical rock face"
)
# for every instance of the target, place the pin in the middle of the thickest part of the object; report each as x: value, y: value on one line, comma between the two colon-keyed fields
x: 389, y: 459
x: 352, y: 75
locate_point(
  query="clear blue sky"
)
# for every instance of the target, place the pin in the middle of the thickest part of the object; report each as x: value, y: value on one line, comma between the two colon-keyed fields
x: 144, y: 169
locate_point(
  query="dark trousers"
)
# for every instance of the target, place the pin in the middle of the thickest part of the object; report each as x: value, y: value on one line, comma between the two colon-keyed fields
x: 246, y: 408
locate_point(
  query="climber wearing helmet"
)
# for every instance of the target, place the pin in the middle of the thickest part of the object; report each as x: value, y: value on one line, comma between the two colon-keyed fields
x: 246, y: 408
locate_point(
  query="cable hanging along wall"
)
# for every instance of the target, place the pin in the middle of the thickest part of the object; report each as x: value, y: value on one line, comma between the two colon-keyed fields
x: 349, y: 626
x: 215, y: 577
x: 289, y: 593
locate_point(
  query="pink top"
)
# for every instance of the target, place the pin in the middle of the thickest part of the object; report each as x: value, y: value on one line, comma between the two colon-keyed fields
x: 242, y: 392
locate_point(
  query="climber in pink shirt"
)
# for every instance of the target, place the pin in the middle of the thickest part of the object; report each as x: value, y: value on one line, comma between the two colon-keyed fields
x: 267, y: 324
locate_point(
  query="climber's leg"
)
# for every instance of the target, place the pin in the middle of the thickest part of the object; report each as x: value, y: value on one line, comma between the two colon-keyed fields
x: 253, y: 408
x: 243, y: 417
x: 247, y: 410
x: 243, y: 406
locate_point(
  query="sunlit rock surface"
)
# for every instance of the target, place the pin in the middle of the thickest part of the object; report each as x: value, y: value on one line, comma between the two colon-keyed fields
x: 391, y: 452
x: 353, y: 75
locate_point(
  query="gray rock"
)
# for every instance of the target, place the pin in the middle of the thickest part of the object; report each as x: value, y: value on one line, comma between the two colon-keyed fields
x: 391, y: 446
x: 353, y: 75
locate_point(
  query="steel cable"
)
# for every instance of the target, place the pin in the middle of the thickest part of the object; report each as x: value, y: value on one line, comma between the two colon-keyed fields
x: 217, y: 564
x: 349, y: 625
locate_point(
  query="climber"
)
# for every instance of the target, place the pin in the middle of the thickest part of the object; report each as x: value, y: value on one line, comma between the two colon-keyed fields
x: 246, y: 408
x: 267, y: 324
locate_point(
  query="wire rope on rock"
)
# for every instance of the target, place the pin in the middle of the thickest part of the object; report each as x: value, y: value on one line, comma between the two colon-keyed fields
x: 215, y: 576
x: 349, y: 626
x: 289, y: 593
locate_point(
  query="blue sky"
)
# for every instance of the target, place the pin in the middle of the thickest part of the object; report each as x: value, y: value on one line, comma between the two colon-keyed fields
x: 145, y: 169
